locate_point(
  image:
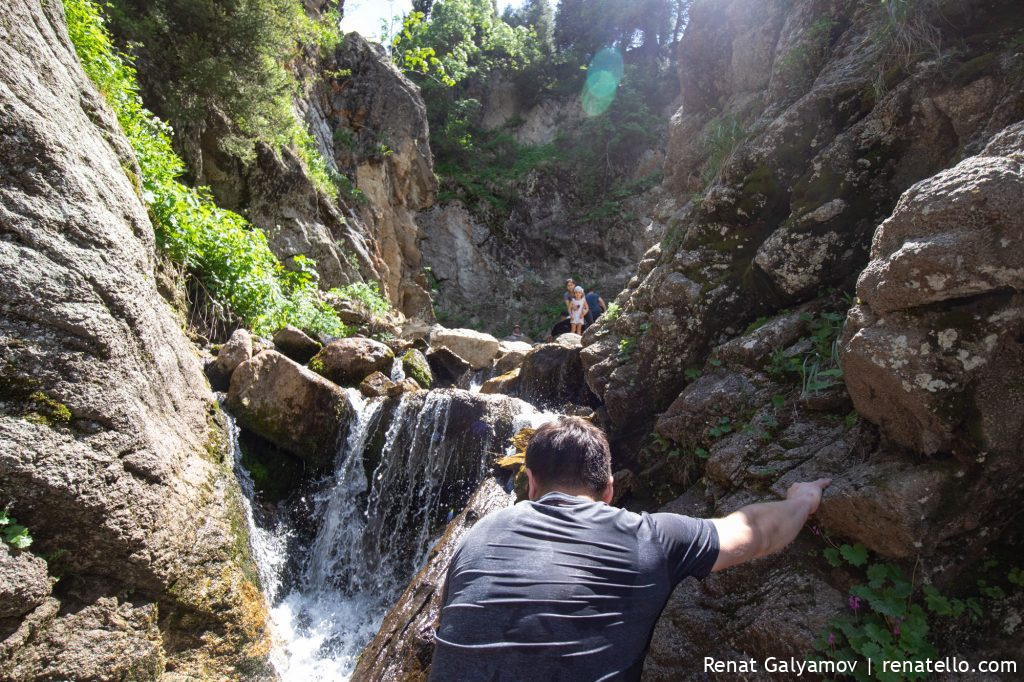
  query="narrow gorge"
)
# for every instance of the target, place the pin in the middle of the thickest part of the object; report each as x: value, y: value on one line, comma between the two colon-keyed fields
x: 258, y: 376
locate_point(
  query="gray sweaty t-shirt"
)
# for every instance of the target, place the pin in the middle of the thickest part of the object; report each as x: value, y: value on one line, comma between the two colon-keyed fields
x: 563, y: 589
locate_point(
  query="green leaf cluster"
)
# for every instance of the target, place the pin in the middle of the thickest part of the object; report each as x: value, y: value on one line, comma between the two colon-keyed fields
x: 221, y: 249
x: 14, y: 534
x: 883, y: 622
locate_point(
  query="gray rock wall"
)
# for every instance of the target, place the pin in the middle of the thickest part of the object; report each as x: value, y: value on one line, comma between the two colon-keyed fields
x: 110, y: 448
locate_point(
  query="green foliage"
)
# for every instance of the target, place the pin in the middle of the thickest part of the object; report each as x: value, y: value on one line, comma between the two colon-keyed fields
x: 225, y: 253
x: 627, y: 347
x: 722, y: 427
x: 365, y: 295
x: 14, y: 534
x: 226, y: 56
x: 613, y: 312
x: 460, y: 47
x: 693, y: 373
x: 818, y: 369
x: 883, y: 622
x: 722, y: 136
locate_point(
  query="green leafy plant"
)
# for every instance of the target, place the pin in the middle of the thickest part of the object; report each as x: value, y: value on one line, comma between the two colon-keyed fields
x: 692, y: 373
x: 882, y: 621
x: 721, y: 428
x: 627, y: 347
x: 613, y: 312
x: 14, y: 534
x: 222, y: 251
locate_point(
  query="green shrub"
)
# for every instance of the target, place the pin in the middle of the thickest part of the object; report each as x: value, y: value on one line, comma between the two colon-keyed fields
x: 221, y: 249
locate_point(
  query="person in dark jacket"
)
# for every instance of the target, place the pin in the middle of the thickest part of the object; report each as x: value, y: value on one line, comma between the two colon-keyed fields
x: 596, y: 305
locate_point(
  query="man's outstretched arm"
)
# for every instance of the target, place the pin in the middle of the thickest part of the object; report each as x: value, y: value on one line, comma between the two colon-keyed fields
x: 758, y: 530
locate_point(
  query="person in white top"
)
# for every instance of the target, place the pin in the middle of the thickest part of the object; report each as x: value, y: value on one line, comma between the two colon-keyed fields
x: 578, y: 310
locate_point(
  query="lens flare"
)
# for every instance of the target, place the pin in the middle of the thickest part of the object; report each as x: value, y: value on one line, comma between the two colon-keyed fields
x: 603, y: 78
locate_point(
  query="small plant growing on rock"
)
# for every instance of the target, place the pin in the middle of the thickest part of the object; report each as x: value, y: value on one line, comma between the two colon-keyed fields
x: 627, y: 347
x: 882, y: 621
x: 13, y: 533
x: 613, y: 312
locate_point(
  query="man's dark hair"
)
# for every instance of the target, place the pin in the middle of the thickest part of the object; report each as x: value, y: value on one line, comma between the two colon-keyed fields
x: 570, y: 453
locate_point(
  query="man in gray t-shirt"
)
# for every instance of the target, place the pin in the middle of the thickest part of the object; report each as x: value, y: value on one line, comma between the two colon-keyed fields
x: 566, y: 587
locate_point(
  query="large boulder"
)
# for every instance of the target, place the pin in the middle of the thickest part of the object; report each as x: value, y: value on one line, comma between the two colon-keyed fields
x: 404, y: 645
x: 296, y: 344
x: 112, y: 455
x: 113, y: 638
x: 290, y: 406
x: 931, y: 352
x: 476, y: 348
x: 346, y: 362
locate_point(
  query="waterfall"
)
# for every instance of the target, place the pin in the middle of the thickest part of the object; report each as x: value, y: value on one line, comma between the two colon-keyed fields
x: 333, y: 563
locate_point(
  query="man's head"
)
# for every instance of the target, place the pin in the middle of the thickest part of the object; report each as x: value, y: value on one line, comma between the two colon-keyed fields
x: 516, y: 329
x: 570, y: 455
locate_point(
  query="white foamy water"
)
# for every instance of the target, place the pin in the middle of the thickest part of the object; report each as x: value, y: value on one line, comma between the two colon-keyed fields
x: 330, y: 591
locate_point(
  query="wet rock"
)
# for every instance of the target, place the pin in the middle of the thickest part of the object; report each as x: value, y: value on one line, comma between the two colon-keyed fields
x: 449, y: 370
x: 24, y: 582
x: 406, y: 385
x: 552, y: 374
x: 295, y: 344
x: 507, y: 383
x: 476, y: 348
x: 237, y: 350
x: 346, y: 362
x: 416, y: 367
x: 404, y: 645
x: 376, y: 385
x: 290, y: 406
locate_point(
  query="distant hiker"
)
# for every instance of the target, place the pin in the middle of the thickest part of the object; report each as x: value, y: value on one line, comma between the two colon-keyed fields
x: 570, y: 287
x: 518, y: 335
x: 597, y: 306
x: 566, y: 587
x: 561, y: 327
x: 578, y: 310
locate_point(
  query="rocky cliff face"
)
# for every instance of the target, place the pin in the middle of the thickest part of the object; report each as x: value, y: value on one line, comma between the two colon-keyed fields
x: 112, y: 452
x: 369, y: 123
x: 493, y: 270
x: 829, y: 141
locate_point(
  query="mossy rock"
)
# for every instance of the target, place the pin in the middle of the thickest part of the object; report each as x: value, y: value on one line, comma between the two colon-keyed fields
x: 416, y: 367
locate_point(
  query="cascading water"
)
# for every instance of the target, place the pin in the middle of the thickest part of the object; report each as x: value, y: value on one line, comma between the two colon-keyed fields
x: 404, y: 466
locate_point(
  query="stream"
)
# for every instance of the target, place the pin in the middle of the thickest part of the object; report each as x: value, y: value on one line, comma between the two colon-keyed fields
x: 334, y: 561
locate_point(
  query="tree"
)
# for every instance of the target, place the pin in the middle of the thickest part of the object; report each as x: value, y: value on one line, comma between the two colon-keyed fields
x: 535, y: 14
